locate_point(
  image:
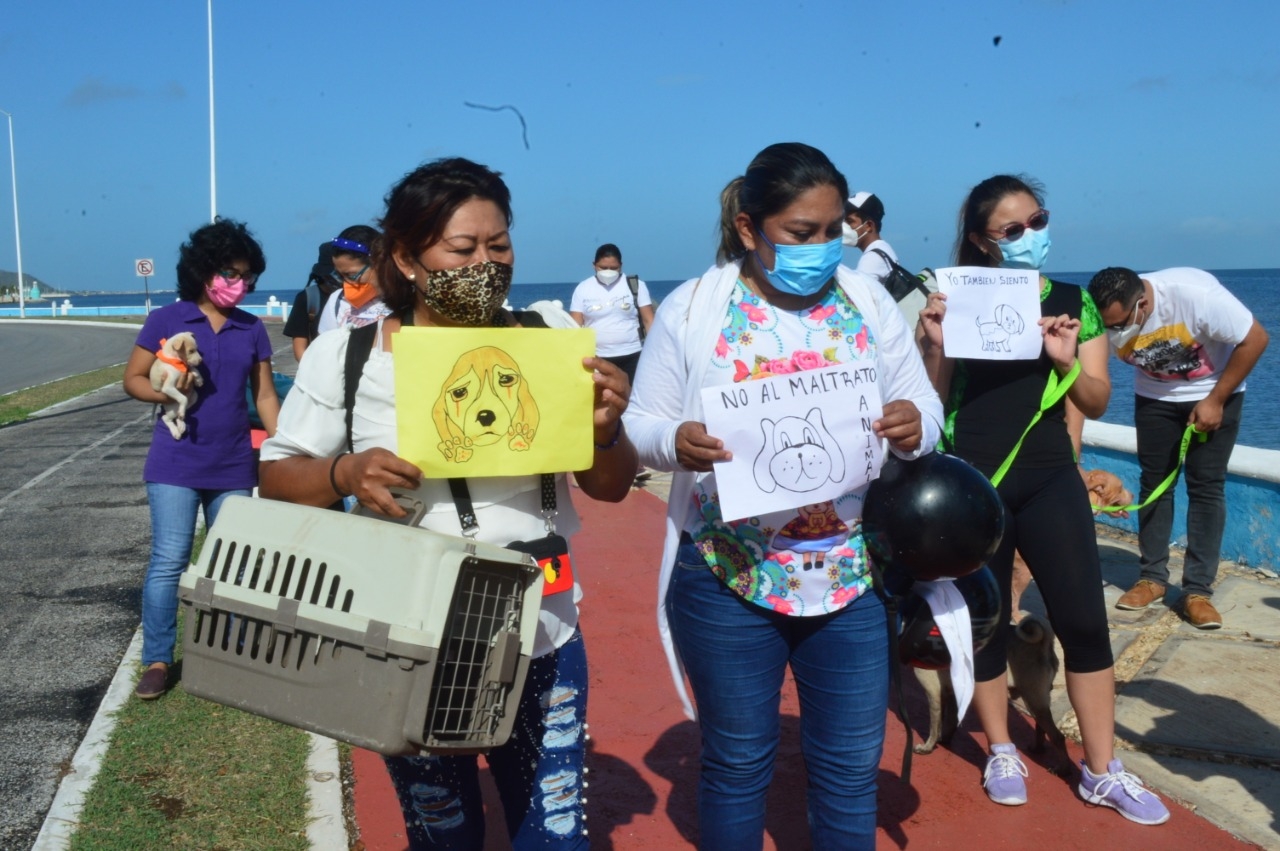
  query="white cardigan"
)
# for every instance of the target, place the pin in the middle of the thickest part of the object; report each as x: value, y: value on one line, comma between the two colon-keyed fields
x: 673, y: 368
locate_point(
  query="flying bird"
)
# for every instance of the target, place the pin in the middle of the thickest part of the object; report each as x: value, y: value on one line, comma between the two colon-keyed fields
x: 524, y: 128
x: 996, y: 41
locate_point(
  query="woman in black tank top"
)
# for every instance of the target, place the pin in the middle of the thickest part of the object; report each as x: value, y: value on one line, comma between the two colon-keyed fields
x: 1048, y: 518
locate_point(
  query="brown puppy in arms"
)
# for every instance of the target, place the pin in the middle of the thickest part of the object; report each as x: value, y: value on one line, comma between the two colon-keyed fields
x: 175, y: 375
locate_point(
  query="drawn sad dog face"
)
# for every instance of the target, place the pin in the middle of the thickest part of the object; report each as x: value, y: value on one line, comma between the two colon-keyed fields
x: 484, y: 401
x: 798, y: 455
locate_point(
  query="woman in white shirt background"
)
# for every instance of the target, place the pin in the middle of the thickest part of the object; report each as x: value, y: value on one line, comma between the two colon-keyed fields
x: 604, y: 303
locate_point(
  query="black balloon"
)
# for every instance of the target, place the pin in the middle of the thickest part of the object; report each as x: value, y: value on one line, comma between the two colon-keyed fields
x: 919, y: 641
x: 932, y: 518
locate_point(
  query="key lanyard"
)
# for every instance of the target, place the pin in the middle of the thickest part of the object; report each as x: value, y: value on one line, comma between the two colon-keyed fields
x: 467, y: 512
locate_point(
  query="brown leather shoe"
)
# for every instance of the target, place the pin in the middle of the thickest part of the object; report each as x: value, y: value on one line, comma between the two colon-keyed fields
x: 1200, y: 613
x: 1142, y: 594
x: 153, y: 683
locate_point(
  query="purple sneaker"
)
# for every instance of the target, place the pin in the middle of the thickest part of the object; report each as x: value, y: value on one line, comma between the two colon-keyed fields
x: 1003, y: 776
x: 1122, y: 791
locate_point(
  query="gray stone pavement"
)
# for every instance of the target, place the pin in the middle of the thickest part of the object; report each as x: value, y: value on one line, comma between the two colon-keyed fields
x: 74, y: 541
x: 1197, y: 712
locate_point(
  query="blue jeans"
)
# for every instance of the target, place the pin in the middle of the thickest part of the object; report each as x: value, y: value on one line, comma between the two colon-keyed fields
x: 173, y: 530
x: 735, y: 655
x: 1159, y: 426
x: 538, y: 772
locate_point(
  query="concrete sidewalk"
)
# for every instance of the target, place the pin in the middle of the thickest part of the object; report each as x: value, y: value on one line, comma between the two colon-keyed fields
x: 1198, y: 719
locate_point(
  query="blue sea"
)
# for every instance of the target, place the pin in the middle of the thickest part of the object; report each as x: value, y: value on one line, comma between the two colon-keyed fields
x: 1257, y: 288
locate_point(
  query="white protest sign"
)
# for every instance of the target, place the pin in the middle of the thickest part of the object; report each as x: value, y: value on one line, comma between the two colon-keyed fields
x: 992, y: 314
x: 797, y: 439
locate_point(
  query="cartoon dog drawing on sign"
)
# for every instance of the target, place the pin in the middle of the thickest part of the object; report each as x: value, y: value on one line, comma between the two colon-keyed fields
x: 484, y: 401
x: 996, y: 335
x: 798, y: 454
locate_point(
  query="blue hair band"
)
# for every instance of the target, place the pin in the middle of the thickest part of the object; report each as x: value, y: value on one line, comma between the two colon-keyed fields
x: 350, y: 245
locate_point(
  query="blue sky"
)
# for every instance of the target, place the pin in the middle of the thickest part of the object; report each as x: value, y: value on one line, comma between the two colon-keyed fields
x: 1152, y: 124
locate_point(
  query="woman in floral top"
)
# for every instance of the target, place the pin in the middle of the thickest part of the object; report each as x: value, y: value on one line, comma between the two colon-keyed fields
x: 746, y: 599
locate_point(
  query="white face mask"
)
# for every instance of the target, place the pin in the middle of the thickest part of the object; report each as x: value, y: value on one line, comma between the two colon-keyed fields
x: 607, y: 276
x: 1119, y: 338
x: 851, y: 235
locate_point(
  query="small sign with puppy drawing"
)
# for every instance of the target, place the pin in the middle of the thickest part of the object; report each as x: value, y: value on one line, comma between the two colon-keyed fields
x: 475, y: 402
x: 797, y: 439
x: 992, y: 314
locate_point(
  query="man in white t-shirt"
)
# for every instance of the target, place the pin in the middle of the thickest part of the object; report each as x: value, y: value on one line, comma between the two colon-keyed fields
x: 863, y: 217
x: 605, y: 303
x: 1193, y: 344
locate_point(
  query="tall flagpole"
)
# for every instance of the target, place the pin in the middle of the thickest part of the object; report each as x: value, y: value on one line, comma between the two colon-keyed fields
x: 17, y: 236
x: 213, y: 175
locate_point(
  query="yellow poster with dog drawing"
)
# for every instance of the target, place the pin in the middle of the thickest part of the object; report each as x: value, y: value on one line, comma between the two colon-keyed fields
x: 473, y: 402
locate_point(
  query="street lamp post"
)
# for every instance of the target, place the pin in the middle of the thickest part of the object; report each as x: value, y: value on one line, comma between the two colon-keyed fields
x: 213, y: 175
x: 17, y: 235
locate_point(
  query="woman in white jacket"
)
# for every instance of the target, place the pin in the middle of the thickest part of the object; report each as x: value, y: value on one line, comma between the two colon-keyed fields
x: 741, y: 601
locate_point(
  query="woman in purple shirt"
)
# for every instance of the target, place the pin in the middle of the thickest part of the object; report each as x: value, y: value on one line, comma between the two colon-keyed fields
x: 217, y: 267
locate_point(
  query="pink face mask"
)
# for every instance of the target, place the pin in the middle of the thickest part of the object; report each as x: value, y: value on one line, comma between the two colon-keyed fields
x: 224, y: 293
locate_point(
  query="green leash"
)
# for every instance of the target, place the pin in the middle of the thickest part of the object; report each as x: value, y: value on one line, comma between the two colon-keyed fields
x: 1190, y: 430
x: 1053, y: 391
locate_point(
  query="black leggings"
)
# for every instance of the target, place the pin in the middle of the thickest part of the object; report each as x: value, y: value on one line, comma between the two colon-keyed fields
x: 1048, y: 519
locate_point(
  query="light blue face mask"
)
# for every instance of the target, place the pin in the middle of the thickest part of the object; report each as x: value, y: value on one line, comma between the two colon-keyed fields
x: 802, y: 269
x: 1028, y: 251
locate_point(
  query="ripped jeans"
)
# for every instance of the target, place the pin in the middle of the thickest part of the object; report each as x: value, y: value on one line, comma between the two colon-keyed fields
x: 539, y: 772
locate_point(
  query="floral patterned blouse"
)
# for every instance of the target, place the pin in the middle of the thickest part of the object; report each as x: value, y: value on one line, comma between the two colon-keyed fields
x: 805, y: 561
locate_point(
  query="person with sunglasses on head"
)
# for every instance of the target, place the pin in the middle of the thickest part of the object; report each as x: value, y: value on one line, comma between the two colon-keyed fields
x: 1193, y: 344
x: 446, y: 260
x: 359, y: 302
x: 217, y: 267
x: 742, y: 601
x: 1048, y: 518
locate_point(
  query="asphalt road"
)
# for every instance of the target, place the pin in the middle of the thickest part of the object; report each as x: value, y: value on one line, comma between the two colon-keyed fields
x: 74, y: 540
x: 36, y: 352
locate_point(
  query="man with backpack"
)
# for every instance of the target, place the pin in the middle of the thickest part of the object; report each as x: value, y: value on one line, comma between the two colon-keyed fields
x: 304, y: 318
x: 863, y: 216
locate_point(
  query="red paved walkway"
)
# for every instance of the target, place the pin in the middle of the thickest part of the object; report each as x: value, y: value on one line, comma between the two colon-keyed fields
x: 643, y: 761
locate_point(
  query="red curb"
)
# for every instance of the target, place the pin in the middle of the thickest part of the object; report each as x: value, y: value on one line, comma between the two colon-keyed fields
x: 643, y: 753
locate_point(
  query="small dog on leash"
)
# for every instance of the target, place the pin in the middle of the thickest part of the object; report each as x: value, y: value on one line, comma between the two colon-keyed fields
x: 1033, y: 664
x: 178, y: 355
x: 1106, y: 489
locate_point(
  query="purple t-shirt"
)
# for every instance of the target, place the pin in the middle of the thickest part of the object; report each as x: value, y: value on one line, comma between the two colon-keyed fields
x: 215, y: 453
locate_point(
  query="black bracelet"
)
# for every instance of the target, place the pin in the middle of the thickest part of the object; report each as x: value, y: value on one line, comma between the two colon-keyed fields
x: 333, y: 480
x: 617, y: 435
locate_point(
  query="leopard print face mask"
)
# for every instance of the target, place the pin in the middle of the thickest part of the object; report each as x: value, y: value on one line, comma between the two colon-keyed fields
x: 471, y: 295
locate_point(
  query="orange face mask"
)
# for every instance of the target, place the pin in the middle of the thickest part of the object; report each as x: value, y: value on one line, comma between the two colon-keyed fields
x: 358, y: 294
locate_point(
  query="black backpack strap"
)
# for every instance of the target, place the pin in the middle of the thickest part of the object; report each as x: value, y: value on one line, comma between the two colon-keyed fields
x: 359, y: 345
x: 908, y: 280
x: 633, y: 282
x: 892, y: 603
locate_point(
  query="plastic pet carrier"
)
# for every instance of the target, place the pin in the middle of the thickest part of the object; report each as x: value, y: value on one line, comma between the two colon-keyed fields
x: 386, y: 636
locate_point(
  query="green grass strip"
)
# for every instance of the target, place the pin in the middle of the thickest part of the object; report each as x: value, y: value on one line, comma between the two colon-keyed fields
x: 23, y: 403
x: 182, y: 772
